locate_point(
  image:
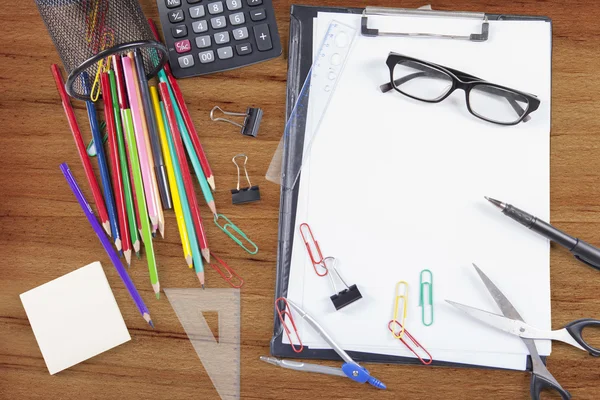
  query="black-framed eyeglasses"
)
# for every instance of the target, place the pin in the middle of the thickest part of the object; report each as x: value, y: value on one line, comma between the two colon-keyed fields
x: 432, y: 83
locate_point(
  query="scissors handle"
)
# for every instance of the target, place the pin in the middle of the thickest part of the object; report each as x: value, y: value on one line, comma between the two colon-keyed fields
x: 576, y: 328
x: 539, y: 383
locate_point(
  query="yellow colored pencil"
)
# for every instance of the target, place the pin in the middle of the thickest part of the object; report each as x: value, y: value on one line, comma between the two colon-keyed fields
x: 185, y: 241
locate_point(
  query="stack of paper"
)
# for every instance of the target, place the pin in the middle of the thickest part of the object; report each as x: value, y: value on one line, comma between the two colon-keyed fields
x: 392, y: 186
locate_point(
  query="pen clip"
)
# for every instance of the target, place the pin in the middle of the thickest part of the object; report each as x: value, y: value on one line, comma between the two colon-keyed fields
x: 583, y: 260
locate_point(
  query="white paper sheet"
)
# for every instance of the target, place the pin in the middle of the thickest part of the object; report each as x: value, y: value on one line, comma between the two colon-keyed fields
x: 393, y: 186
x: 74, y: 317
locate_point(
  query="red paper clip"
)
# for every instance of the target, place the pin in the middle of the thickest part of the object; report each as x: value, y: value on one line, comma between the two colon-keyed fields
x: 315, y: 244
x: 228, y: 273
x: 282, y: 314
x: 417, y: 344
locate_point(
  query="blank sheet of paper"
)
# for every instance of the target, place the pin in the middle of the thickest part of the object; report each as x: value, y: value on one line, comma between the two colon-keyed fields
x: 75, y: 317
x: 393, y: 186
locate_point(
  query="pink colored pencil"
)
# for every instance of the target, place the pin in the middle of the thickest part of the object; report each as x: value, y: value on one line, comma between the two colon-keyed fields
x: 141, y: 142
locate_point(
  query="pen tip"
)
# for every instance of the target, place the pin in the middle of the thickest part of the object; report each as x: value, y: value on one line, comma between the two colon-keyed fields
x: 495, y: 202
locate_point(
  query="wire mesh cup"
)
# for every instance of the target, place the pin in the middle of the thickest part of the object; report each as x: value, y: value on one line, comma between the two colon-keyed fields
x: 87, y: 32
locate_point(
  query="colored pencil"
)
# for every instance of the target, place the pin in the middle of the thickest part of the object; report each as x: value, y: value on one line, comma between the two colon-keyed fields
x: 142, y: 149
x: 159, y: 163
x: 159, y: 211
x: 185, y: 173
x: 117, y: 180
x: 190, y: 148
x: 87, y: 210
x: 187, y: 118
x: 102, y: 164
x: 128, y: 118
x: 181, y: 225
x: 129, y: 205
x: 87, y: 165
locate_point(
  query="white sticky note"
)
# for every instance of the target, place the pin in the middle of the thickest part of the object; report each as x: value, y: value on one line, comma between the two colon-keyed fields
x: 75, y: 317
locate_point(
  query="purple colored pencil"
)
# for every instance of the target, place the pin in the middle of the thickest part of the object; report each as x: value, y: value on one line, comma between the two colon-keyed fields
x: 87, y: 210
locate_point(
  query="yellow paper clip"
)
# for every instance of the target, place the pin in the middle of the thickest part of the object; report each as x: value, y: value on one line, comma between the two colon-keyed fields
x: 401, y: 295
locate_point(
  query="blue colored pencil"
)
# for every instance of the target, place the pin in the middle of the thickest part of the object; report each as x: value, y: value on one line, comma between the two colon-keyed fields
x: 87, y: 210
x: 101, y: 156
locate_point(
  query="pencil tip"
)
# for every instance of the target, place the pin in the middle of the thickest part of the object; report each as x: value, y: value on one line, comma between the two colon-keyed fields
x: 106, y: 226
x: 151, y: 324
x: 206, y: 254
x: 213, y: 207
x: 158, y: 295
x: 202, y: 287
x: 211, y: 182
x: 128, y: 257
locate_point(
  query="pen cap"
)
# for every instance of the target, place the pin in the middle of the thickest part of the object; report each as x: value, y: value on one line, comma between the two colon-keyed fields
x: 85, y: 32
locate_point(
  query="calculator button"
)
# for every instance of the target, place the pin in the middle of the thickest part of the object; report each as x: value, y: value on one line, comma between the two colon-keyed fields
x: 203, y: 41
x: 197, y: 12
x: 200, y: 26
x: 222, y: 37
x: 225, y: 52
x: 172, y: 3
x: 243, y: 49
x: 263, y: 37
x: 193, y: 1
x: 215, y: 8
x: 179, y: 31
x: 254, y: 2
x: 176, y: 16
x: 218, y: 22
x: 207, y: 56
x: 237, y: 18
x: 258, y: 15
x: 186, y: 61
x: 183, y: 46
x: 234, y: 4
x: 240, y: 33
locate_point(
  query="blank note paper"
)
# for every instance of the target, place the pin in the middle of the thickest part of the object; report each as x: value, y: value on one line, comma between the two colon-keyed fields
x: 75, y: 317
x: 393, y: 186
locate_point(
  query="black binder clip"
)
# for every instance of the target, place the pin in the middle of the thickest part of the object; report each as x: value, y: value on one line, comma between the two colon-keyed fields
x: 348, y: 295
x: 247, y: 194
x: 251, y: 120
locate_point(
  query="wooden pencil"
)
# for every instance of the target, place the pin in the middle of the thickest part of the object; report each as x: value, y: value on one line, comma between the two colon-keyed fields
x: 83, y: 156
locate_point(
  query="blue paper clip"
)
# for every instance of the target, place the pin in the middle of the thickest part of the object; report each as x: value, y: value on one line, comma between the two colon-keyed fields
x: 237, y: 230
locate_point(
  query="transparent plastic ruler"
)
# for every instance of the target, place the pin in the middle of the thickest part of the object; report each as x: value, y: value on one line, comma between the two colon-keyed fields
x: 220, y: 358
x: 311, y: 105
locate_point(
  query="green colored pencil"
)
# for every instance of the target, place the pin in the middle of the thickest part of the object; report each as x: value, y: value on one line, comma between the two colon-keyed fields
x: 189, y: 146
x: 141, y: 201
x: 124, y: 168
x: 187, y: 213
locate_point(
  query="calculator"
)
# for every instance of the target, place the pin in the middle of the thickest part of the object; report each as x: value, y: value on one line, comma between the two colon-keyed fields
x: 208, y: 36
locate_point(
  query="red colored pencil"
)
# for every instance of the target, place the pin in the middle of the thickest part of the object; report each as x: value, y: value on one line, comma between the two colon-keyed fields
x: 87, y: 165
x: 117, y: 180
x: 185, y: 173
x: 187, y: 118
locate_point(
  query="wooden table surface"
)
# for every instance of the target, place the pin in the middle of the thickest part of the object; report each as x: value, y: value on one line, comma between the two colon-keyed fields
x: 44, y: 235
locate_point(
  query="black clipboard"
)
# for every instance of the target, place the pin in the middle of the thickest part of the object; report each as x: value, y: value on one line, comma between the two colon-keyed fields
x: 299, y: 63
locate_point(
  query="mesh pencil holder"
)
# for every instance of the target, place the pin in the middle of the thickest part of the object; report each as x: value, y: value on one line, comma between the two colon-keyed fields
x: 85, y: 32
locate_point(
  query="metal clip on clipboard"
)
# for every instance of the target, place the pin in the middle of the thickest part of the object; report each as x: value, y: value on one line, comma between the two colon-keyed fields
x: 385, y: 11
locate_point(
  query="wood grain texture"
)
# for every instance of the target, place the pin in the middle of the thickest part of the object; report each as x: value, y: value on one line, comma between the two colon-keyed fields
x: 44, y: 235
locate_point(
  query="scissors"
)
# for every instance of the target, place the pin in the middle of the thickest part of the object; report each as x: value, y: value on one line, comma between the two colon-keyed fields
x: 350, y: 368
x: 513, y: 323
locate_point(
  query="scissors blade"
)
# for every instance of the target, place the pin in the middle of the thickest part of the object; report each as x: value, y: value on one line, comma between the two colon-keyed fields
x: 495, y: 320
x: 315, y: 325
x: 503, y: 303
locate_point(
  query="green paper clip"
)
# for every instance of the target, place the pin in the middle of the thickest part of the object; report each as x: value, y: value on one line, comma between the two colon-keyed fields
x: 429, y: 286
x: 231, y: 225
x: 91, y: 147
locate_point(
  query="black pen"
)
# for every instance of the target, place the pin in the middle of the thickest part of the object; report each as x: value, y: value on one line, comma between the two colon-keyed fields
x: 582, y: 251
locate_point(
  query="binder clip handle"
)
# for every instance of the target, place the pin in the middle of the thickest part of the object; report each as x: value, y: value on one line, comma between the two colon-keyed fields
x: 252, y: 118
